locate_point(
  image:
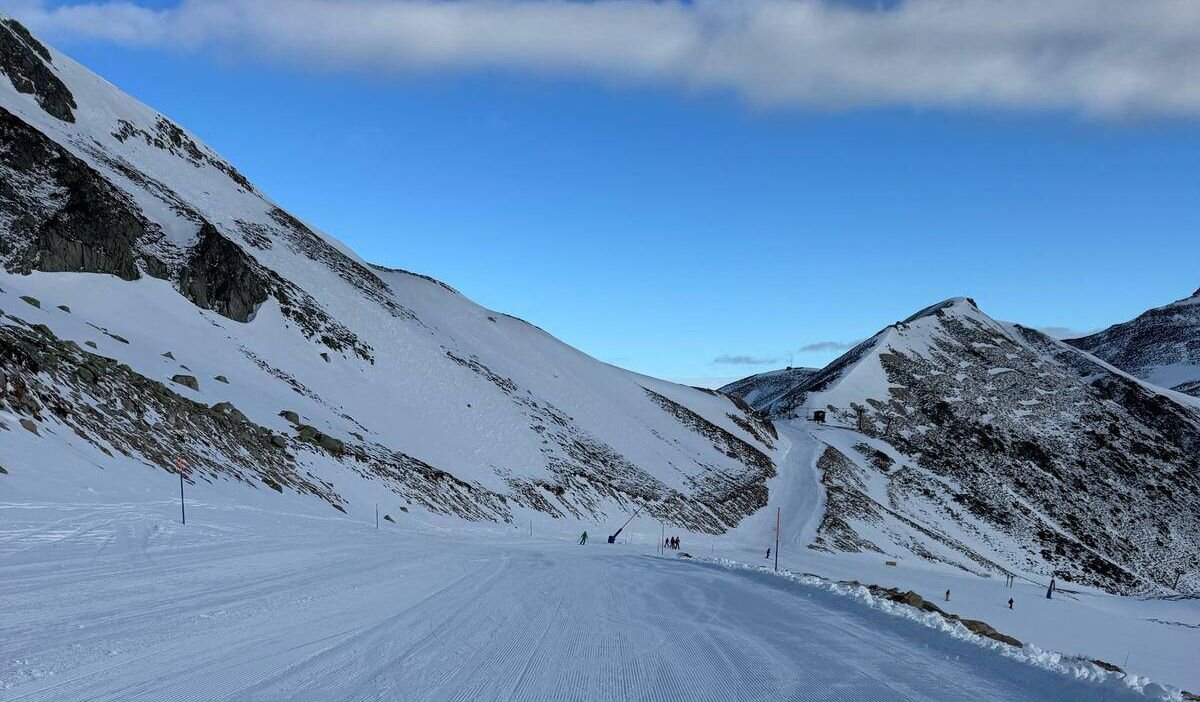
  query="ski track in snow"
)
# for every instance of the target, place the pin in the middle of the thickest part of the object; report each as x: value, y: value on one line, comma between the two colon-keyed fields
x: 120, y: 603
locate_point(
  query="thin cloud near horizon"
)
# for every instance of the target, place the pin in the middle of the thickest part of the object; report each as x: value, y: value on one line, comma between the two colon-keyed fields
x: 1108, y: 58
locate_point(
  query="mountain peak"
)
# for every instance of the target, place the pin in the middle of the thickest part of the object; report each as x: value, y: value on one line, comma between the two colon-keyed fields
x: 951, y: 305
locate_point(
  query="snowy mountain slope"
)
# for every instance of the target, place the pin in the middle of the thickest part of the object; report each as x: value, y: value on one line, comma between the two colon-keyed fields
x: 959, y: 439
x: 1161, y: 346
x: 157, y: 305
x: 769, y: 391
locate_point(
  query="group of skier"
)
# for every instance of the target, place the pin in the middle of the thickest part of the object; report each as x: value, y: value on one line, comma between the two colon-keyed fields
x: 671, y: 542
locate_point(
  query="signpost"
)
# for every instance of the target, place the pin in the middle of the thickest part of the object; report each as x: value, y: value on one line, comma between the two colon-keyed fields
x: 182, y: 509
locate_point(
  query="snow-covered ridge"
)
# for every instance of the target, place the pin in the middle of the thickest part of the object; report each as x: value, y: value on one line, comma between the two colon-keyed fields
x: 955, y: 438
x: 1161, y: 346
x: 154, y: 299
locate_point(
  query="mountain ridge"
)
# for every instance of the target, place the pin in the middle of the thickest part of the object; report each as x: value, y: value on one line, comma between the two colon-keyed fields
x: 953, y: 437
x: 176, y: 302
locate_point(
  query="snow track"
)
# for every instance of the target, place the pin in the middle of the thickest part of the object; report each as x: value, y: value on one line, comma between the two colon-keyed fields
x: 121, y: 604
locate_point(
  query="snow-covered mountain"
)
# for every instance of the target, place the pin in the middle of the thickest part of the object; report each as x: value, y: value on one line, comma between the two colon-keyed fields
x: 1161, y: 346
x: 770, y: 392
x: 956, y: 438
x: 157, y: 305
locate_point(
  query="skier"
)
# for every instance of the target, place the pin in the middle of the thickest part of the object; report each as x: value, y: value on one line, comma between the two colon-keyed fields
x: 947, y: 595
x: 1050, y: 590
x: 1010, y: 603
x: 768, y: 553
x: 583, y: 539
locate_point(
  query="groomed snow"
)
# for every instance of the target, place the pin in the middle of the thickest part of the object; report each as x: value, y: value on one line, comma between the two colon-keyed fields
x: 120, y: 602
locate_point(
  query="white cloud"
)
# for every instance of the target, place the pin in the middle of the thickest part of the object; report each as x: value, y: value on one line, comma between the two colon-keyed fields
x: 744, y: 360
x: 1098, y: 57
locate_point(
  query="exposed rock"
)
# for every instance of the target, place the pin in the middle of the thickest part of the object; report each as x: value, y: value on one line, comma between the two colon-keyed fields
x: 221, y: 379
x: 64, y: 308
x: 3, y: 470
x: 985, y: 630
x: 388, y: 518
x: 188, y: 381
x: 32, y: 300
x: 330, y: 444
x: 290, y: 416
x: 220, y: 276
x: 1105, y: 665
x: 24, y: 60
x: 84, y: 225
x: 29, y: 425
x: 92, y: 344
x: 325, y: 356
x: 227, y: 409
x: 278, y: 441
x: 109, y: 415
x: 169, y: 355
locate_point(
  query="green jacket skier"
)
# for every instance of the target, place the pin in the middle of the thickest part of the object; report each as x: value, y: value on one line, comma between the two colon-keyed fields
x: 583, y: 539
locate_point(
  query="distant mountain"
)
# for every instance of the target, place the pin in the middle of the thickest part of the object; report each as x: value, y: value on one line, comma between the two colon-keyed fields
x: 157, y: 306
x: 770, y: 391
x: 956, y: 438
x: 1161, y: 346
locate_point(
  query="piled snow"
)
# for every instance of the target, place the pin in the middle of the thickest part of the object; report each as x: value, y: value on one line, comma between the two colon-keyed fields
x: 1072, y: 666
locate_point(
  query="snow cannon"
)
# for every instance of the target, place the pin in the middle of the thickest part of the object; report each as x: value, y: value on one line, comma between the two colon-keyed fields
x: 613, y: 539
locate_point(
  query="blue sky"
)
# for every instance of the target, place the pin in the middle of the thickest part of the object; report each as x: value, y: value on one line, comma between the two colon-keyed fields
x: 697, y: 233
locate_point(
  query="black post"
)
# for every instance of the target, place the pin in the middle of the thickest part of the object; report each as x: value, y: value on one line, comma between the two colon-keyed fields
x: 777, y: 518
x: 182, y: 509
x: 376, y: 515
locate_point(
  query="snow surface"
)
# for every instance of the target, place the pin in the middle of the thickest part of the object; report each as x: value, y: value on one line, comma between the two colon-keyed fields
x: 110, y: 601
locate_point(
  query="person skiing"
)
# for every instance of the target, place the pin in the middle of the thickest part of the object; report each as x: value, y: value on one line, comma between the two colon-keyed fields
x: 947, y: 595
x: 1010, y: 603
x: 768, y: 553
x: 583, y: 539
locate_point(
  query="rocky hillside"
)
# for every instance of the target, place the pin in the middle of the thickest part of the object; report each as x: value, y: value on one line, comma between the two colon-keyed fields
x: 155, y: 305
x: 956, y: 438
x: 1161, y: 346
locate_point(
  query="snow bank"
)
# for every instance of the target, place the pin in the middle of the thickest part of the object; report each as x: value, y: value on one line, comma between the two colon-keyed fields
x: 1072, y: 666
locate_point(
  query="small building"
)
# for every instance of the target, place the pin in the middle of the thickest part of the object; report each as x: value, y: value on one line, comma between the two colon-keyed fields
x: 819, y: 416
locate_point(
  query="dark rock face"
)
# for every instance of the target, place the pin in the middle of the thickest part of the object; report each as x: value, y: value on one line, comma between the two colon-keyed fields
x: 86, y: 225
x: 27, y: 64
x: 219, y: 276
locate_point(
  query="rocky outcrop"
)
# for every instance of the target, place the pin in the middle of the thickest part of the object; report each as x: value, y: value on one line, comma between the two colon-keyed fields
x: 220, y: 276
x: 27, y: 63
x: 61, y: 214
x: 107, y: 404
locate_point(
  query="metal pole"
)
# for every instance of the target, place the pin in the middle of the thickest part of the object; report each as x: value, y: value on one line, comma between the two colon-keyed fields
x: 182, y: 509
x: 376, y: 515
x: 662, y: 541
x: 777, y: 518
